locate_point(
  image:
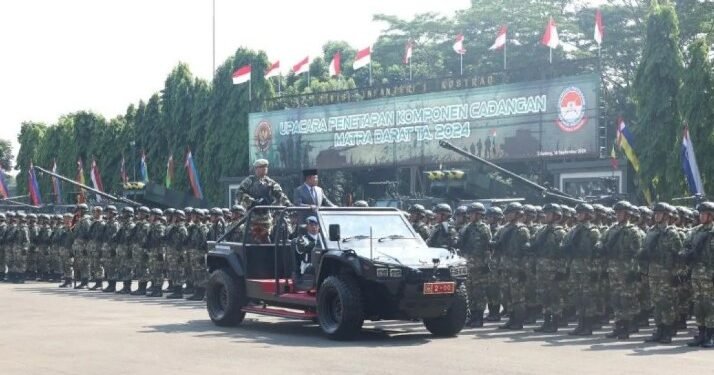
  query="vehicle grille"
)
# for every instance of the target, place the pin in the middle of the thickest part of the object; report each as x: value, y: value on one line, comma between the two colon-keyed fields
x: 426, y: 274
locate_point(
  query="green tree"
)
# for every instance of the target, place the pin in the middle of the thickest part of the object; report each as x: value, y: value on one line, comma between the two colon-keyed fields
x: 6, y: 157
x: 656, y: 88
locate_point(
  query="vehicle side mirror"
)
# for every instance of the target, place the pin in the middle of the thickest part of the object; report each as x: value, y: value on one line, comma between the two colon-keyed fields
x: 334, y: 230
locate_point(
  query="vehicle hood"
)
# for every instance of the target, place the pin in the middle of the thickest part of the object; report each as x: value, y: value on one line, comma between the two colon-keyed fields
x: 414, y: 257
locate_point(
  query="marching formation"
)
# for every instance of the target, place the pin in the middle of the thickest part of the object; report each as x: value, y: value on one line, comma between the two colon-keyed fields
x: 114, y: 246
x: 590, y: 264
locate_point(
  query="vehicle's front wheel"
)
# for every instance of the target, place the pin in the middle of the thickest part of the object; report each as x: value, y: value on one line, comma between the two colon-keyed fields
x: 339, y: 307
x: 225, y: 296
x: 451, y: 323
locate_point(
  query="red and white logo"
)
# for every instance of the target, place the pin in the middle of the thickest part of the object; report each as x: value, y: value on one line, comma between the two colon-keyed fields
x: 263, y: 136
x: 571, y: 110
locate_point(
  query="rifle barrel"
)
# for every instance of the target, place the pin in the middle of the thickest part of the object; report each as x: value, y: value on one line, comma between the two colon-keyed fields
x: 85, y: 187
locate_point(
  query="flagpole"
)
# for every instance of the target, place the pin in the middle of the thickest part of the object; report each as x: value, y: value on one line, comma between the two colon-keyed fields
x: 410, y: 68
x: 461, y: 64
x: 550, y: 58
x: 370, y: 73
x: 505, y: 45
x: 250, y: 91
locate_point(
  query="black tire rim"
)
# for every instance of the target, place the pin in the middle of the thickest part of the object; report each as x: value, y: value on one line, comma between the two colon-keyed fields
x: 331, y: 310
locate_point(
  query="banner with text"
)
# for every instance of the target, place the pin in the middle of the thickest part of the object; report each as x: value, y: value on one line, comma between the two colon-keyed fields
x: 542, y: 119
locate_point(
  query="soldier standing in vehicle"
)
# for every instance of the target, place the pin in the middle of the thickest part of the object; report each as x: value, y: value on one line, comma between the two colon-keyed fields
x: 580, y: 246
x: 620, y: 245
x: 444, y: 234
x: 512, y: 241
x: 417, y: 217
x: 474, y: 244
x: 550, y: 268
x: 259, y: 189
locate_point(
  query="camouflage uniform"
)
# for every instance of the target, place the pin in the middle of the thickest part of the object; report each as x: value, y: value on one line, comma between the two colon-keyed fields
x: 512, y: 242
x: 125, y: 238
x: 81, y: 234
x: 155, y: 251
x: 444, y: 235
x: 261, y: 191
x: 20, y: 248
x: 54, y: 263
x: 140, y: 255
x: 494, y: 279
x: 62, y: 239
x: 94, y: 247
x: 31, y: 257
x: 176, y: 242
x: 44, y: 235
x: 529, y: 262
x: 684, y: 288
x: 197, y: 254
x: 474, y: 244
x: 422, y: 229
x: 109, y: 243
x: 550, y: 272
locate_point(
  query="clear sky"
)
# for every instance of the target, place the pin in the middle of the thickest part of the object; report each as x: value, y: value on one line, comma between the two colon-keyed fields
x: 61, y: 56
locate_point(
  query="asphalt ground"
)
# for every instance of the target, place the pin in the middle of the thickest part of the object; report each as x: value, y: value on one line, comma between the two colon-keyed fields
x: 47, y: 330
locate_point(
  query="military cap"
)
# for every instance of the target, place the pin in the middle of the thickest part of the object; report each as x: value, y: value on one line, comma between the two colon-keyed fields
x: 461, y: 210
x: 97, y: 209
x: 260, y: 163
x: 127, y: 210
x: 597, y: 207
x: 170, y: 211
x: 216, y: 211
x: 622, y: 206
x: 82, y: 206
x: 188, y: 210
x: 442, y: 208
x: 312, y: 219
x: 156, y: 211
x: 361, y: 203
x: 554, y: 208
x: 31, y: 217
x: 476, y: 207
x: 705, y: 207
x: 144, y: 210
x: 494, y: 211
x: 237, y: 208
x: 180, y: 214
x: 112, y: 208
x: 513, y: 207
x: 584, y: 207
x: 529, y: 209
x: 417, y: 208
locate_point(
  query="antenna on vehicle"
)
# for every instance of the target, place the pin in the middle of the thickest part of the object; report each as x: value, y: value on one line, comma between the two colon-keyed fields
x: 370, y: 242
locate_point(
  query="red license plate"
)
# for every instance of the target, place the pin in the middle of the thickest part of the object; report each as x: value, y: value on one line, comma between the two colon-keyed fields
x: 440, y: 288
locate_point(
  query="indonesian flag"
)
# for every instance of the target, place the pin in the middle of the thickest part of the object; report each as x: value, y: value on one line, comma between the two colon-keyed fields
x: 241, y: 75
x: 334, y: 67
x: 550, y: 37
x: 302, y: 66
x: 599, y: 29
x: 273, y: 70
x: 408, y: 52
x: 363, y: 57
x: 96, y: 179
x: 500, y: 38
x: 459, y: 44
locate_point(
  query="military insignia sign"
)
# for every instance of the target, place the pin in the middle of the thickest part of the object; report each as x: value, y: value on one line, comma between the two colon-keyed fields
x: 539, y: 119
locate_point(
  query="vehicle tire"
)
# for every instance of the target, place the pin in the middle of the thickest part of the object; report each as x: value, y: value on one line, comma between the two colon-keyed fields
x: 451, y: 323
x: 339, y: 307
x: 225, y: 296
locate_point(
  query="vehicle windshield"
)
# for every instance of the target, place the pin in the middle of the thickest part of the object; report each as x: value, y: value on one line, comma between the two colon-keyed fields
x: 356, y: 227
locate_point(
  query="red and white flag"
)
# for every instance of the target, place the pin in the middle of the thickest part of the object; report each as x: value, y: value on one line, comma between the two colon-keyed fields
x: 408, y: 52
x: 599, y: 28
x: 500, y: 38
x: 550, y: 37
x: 273, y: 70
x: 96, y: 179
x: 303, y: 66
x: 459, y: 44
x: 241, y: 75
x: 362, y: 58
x: 334, y: 67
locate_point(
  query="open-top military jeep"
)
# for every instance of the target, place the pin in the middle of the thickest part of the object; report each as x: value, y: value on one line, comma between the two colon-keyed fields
x: 370, y: 264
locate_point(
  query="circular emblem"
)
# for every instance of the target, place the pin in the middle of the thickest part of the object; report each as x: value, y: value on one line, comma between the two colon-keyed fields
x: 263, y: 136
x: 571, y: 110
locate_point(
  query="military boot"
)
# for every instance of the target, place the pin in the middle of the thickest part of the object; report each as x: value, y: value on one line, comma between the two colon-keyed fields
x: 518, y: 317
x: 667, y: 334
x: 476, y: 320
x: 616, y: 330
x: 547, y: 323
x: 554, y: 324
x: 112, y: 287
x: 531, y: 316
x: 177, y: 294
x: 657, y: 334
x: 625, y: 331
x: 67, y: 283
x: 708, y: 338
x: 643, y: 319
x: 142, y: 289
x: 579, y: 329
x: 126, y: 287
x: 199, y: 293
x: 155, y: 291
x: 494, y: 314
x: 189, y: 289
x: 83, y: 284
x: 170, y: 287
x: 508, y: 324
x: 681, y: 323
x: 699, y: 338
x: 97, y: 285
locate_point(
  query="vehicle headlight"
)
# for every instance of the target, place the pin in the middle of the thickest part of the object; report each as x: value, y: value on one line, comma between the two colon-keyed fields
x: 459, y: 271
x: 382, y: 272
x: 395, y: 272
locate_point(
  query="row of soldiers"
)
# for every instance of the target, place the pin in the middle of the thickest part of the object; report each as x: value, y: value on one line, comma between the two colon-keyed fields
x: 589, y: 263
x: 114, y: 246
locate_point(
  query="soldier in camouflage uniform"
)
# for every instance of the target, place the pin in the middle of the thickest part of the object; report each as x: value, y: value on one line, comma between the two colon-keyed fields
x: 94, y: 247
x: 643, y: 291
x: 81, y: 233
x: 125, y: 261
x: 259, y: 189
x: 444, y: 234
x: 3, y: 231
x: 580, y: 247
x: 140, y: 255
x: 550, y: 268
x: 494, y: 216
x: 44, y: 236
x: 620, y: 246
x: 20, y: 247
x: 511, y: 243
x: 175, y: 248
x: 192, y: 224
x: 9, y: 240
x: 170, y: 213
x: 684, y: 290
x: 54, y: 261
x: 699, y: 253
x: 31, y: 257
x: 109, y: 243
x: 602, y: 294
x: 460, y: 219
x: 474, y: 244
x: 418, y: 219
x: 62, y: 238
x: 203, y: 232
x: 530, y: 220
x: 661, y: 247
x: 155, y: 252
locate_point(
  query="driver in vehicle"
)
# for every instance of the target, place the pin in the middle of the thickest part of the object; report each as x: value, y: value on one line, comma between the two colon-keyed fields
x: 306, y: 244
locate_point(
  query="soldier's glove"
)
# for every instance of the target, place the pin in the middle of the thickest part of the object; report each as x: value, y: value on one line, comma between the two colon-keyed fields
x: 593, y: 276
x: 632, y: 277
x: 522, y: 276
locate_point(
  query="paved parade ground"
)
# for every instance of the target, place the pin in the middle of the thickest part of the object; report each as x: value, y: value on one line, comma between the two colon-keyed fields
x: 46, y: 330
